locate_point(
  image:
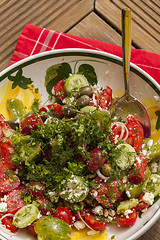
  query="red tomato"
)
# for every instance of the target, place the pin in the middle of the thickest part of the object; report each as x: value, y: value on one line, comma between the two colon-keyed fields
x: 136, y: 133
x: 30, y: 229
x: 30, y: 123
x: 55, y: 110
x: 5, y: 154
x: 83, y: 213
x: 7, y: 184
x: 97, y: 160
x: 95, y: 223
x: 105, y: 99
x: 141, y: 205
x: 137, y: 173
x: 36, y: 189
x: 126, y: 220
x: 107, y: 193
x: 117, y: 133
x: 59, y: 90
x: 3, y: 125
x: 7, y: 221
x: 14, y: 201
x: 64, y: 214
x: 45, y: 205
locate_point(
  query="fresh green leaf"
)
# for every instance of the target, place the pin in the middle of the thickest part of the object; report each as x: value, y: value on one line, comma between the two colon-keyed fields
x: 56, y: 73
x: 158, y: 119
x: 20, y: 80
x: 35, y: 105
x: 89, y: 72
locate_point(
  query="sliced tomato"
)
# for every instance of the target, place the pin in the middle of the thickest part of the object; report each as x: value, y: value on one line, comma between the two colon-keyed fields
x: 14, y: 201
x: 95, y: 223
x: 45, y: 206
x: 36, y: 189
x: 137, y: 173
x: 96, y: 161
x: 59, y: 90
x: 64, y: 214
x: 136, y: 133
x: 55, y: 110
x: 30, y: 123
x: 141, y: 204
x: 107, y: 193
x: 3, y: 125
x: 105, y: 99
x: 8, y: 183
x: 7, y: 221
x: 6, y: 151
x: 126, y: 220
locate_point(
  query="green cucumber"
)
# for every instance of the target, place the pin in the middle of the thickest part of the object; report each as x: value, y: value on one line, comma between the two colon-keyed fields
x: 74, y: 189
x: 88, y: 109
x: 74, y: 82
x: 125, y: 156
x: 25, y: 216
x: 127, y: 205
x: 152, y: 185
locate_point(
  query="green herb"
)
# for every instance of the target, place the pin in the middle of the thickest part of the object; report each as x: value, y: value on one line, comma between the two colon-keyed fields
x: 20, y: 80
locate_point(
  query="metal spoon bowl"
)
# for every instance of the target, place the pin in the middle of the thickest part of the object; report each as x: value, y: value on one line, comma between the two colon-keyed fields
x: 128, y: 104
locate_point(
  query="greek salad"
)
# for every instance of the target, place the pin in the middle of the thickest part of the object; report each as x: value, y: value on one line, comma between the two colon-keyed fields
x: 70, y: 163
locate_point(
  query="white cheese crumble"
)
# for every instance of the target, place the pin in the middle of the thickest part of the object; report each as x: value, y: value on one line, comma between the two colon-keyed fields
x: 128, y: 194
x: 79, y: 225
x: 98, y: 210
x: 3, y: 207
x: 150, y: 143
x: 154, y: 167
x: 148, y: 198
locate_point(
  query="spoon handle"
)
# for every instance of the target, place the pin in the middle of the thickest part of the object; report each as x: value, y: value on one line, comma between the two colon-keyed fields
x: 126, y: 44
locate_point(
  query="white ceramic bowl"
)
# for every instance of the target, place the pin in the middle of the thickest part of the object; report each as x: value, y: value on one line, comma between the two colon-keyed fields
x: 109, y: 71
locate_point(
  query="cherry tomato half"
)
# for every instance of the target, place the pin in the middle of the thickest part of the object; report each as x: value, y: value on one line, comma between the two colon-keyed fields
x: 7, y: 221
x: 59, y: 90
x: 105, y: 99
x: 126, y: 220
x: 7, y: 184
x: 64, y: 214
x: 95, y: 223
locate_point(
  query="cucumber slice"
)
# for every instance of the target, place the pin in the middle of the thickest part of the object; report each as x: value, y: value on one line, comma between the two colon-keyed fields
x: 74, y: 189
x: 25, y: 216
x: 152, y: 185
x: 125, y: 156
x: 74, y: 83
x: 127, y: 205
x: 88, y: 109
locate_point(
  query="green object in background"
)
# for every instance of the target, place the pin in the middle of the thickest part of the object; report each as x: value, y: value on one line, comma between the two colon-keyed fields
x: 16, y: 108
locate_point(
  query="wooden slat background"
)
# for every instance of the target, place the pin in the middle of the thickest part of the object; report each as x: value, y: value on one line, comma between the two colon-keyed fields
x: 95, y: 19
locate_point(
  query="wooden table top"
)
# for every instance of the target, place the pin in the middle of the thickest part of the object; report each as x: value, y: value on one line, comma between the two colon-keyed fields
x: 95, y: 19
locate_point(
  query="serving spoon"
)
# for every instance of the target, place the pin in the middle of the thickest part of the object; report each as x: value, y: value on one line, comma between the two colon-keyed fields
x: 128, y: 104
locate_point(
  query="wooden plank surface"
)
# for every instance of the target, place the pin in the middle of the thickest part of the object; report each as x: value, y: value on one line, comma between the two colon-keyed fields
x: 57, y: 15
x: 145, y: 20
x: 96, y: 28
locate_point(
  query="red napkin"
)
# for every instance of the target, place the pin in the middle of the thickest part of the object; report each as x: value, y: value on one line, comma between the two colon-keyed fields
x: 35, y: 39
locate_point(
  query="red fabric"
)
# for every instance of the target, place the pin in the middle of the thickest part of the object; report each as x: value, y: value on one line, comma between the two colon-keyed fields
x: 35, y: 39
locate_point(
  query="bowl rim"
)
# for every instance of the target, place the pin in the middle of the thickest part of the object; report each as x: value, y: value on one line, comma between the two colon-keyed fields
x: 61, y: 52
x: 64, y: 52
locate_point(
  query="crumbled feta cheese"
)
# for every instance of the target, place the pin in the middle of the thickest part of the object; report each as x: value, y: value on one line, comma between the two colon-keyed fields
x: 98, y: 210
x: 148, y: 198
x: 127, y: 212
x: 111, y: 212
x: 150, y: 143
x: 79, y: 225
x: 39, y: 215
x: 105, y: 213
x: 128, y: 194
x: 3, y: 207
x: 154, y: 167
x: 92, y: 232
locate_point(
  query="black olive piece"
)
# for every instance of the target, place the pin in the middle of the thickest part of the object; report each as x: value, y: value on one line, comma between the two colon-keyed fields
x: 13, y: 123
x: 83, y: 101
x: 87, y: 90
x: 68, y: 111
